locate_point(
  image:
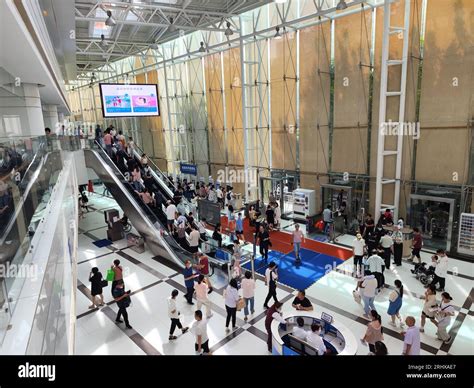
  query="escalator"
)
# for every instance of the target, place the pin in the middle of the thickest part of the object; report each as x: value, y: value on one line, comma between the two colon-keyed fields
x: 151, y: 224
x: 165, y: 186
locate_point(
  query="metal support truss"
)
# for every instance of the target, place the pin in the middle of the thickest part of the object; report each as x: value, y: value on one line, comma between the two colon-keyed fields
x: 386, y: 198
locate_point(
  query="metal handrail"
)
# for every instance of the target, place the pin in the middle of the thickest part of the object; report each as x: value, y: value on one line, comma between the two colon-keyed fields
x: 156, y: 167
x: 170, y: 240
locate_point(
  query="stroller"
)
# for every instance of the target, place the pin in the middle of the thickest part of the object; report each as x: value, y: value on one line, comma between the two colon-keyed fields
x: 423, y: 274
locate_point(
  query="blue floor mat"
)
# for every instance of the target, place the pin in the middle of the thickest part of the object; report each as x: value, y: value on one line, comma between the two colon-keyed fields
x: 313, y: 266
x: 102, y: 243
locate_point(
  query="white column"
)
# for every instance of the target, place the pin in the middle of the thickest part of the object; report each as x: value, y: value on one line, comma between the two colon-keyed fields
x: 50, y: 117
x: 20, y: 111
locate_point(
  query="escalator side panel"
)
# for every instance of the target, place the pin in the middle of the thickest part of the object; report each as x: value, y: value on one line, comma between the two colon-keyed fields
x: 127, y: 202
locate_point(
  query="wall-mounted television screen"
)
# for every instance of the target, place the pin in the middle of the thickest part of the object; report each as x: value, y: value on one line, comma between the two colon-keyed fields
x: 132, y: 100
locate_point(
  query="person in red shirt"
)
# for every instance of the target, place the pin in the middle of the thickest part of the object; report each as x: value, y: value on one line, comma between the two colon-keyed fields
x: 417, y: 244
x: 203, y: 268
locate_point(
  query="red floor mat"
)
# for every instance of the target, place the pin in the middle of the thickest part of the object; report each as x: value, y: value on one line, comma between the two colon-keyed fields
x: 281, y: 241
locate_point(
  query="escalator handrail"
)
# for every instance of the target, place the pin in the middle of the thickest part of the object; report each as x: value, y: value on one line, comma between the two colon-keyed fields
x: 156, y: 167
x: 171, y: 241
x: 184, y: 199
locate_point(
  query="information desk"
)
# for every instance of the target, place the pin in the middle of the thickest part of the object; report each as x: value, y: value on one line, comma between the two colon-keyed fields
x: 336, y: 335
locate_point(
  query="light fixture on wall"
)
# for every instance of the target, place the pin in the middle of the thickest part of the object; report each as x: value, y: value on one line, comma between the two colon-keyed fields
x: 202, y: 49
x: 228, y: 31
x: 172, y: 27
x: 110, y: 21
x: 277, y: 34
x: 341, y: 5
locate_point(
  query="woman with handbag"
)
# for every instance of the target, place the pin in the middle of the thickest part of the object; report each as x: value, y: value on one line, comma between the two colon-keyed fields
x: 396, y: 300
x: 443, y: 316
x: 97, y: 283
x: 374, y: 331
x: 231, y: 295
x: 429, y: 307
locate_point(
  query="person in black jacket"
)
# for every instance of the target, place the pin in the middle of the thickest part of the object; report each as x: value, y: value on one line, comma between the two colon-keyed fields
x: 122, y: 298
x: 96, y: 279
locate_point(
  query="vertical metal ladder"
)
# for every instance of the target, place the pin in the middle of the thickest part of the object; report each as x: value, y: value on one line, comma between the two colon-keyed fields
x: 175, y: 86
x: 393, y: 177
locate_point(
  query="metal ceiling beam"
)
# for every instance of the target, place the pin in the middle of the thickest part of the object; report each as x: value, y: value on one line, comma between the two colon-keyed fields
x: 164, y: 7
x: 142, y: 24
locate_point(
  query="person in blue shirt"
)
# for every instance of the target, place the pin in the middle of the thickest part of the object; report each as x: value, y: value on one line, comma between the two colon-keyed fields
x: 239, y: 227
x: 189, y: 277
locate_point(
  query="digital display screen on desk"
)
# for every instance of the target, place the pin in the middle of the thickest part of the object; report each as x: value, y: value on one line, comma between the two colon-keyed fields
x: 326, y: 317
x: 132, y: 100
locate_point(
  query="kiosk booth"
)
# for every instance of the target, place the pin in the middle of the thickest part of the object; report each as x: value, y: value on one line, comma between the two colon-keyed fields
x: 336, y: 336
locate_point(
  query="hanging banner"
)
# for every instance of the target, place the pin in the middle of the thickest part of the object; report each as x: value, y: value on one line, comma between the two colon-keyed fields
x: 187, y: 168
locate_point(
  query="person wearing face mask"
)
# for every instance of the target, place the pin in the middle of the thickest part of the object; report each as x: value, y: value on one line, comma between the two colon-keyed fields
x: 189, y: 279
x: 441, y: 270
x: 358, y: 246
x: 397, y: 238
x: 443, y: 316
x: 274, y: 312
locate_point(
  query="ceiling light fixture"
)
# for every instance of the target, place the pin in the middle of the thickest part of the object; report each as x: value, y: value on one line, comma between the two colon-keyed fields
x: 341, y: 5
x: 110, y: 21
x: 154, y: 46
x: 228, y: 31
x: 172, y: 27
x: 277, y: 35
x: 202, y: 49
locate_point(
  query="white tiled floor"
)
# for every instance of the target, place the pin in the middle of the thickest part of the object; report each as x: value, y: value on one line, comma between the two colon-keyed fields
x: 98, y: 334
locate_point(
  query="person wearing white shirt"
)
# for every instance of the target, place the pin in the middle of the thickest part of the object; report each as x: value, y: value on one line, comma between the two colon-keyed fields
x: 248, y: 293
x: 170, y: 215
x: 199, y: 329
x: 174, y: 314
x: 376, y: 266
x: 358, y: 246
x: 441, y: 270
x: 443, y: 316
x: 411, y: 343
x: 314, y: 339
x: 193, y: 241
x: 369, y: 286
x: 231, y: 299
x: 271, y: 277
x: 299, y: 331
x: 386, y: 243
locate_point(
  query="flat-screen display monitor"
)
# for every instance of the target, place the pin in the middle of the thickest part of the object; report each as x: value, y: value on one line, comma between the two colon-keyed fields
x: 132, y: 100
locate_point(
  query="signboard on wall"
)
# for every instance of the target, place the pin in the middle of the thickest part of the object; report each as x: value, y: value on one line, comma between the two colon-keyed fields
x: 188, y: 168
x: 129, y: 100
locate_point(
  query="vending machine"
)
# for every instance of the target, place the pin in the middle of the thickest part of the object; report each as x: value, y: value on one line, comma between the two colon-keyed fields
x: 304, y: 203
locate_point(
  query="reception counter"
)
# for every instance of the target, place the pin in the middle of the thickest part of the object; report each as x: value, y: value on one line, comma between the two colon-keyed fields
x: 336, y: 335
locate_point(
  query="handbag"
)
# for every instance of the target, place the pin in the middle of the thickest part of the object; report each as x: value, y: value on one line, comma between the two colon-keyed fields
x: 357, y: 296
x: 240, y: 304
x: 393, y: 296
x: 110, y: 275
x: 104, y: 283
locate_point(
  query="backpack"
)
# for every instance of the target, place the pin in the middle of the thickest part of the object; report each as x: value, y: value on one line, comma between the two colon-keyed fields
x: 228, y: 196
